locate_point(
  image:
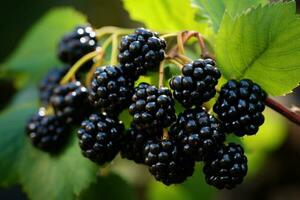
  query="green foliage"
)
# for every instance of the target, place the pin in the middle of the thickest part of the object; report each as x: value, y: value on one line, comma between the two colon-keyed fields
x: 36, y: 52
x: 263, y: 45
x: 164, y: 15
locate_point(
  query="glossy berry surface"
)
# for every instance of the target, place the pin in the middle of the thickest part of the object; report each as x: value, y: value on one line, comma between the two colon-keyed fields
x: 197, y: 84
x: 240, y: 107
x: 49, y: 82
x: 198, y: 133
x: 152, y: 108
x: 166, y: 163
x: 47, y: 133
x: 74, y: 45
x: 100, y: 137
x: 110, y: 89
x: 70, y: 102
x: 228, y: 168
x: 141, y: 51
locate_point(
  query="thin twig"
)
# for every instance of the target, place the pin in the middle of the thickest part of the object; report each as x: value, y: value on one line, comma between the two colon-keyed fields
x: 161, y: 74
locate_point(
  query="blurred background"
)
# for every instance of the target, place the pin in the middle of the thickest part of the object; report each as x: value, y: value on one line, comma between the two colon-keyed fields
x: 278, y: 174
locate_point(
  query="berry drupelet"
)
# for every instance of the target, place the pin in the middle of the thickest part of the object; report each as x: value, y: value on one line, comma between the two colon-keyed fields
x: 152, y: 108
x: 198, y: 133
x: 74, y: 45
x: 47, y: 133
x: 240, y: 107
x: 166, y: 163
x: 111, y: 89
x: 197, y: 84
x: 49, y: 82
x: 70, y: 102
x: 141, y: 51
x: 228, y: 168
x: 100, y: 137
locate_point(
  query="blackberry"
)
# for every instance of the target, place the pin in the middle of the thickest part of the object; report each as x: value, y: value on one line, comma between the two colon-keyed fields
x: 110, y: 89
x: 240, y: 107
x: 47, y: 133
x: 141, y: 51
x: 152, y: 108
x: 49, y: 82
x: 70, y: 102
x: 74, y: 45
x: 228, y: 168
x: 198, y: 133
x: 166, y: 163
x: 100, y: 137
x: 133, y: 143
x: 197, y: 84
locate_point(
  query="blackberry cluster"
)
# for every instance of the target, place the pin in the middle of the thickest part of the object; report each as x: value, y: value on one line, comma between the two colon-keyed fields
x: 74, y: 45
x: 133, y: 143
x: 228, y: 168
x: 100, y: 137
x: 141, y: 51
x: 166, y: 163
x: 47, y: 133
x: 240, y: 107
x: 110, y: 89
x: 49, y: 82
x: 199, y: 133
x: 197, y: 84
x: 152, y: 108
x: 70, y: 102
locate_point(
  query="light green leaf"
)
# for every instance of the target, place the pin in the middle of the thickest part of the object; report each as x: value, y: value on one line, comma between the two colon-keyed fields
x: 37, y: 51
x: 164, y: 15
x: 214, y: 9
x: 263, y: 45
x: 111, y: 187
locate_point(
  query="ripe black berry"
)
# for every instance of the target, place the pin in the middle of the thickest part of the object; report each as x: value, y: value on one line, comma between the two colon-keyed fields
x: 197, y: 85
x: 166, y: 163
x: 70, y: 102
x: 49, y: 82
x: 228, y: 168
x: 152, y: 108
x: 110, y: 89
x: 100, y: 137
x: 133, y: 144
x: 47, y: 133
x: 141, y: 51
x: 198, y: 133
x: 76, y: 44
x: 240, y: 107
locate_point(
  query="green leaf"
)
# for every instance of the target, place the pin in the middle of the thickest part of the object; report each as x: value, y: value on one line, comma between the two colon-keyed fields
x: 37, y: 51
x: 109, y: 187
x: 214, y: 9
x: 263, y: 45
x: 164, y: 15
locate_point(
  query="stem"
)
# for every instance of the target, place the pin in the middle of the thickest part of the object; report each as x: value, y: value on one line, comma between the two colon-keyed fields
x: 292, y: 116
x: 161, y: 74
x: 169, y: 35
x: 114, y: 50
x: 184, y: 58
x: 180, y: 42
x: 180, y: 65
x: 111, y: 30
x: 71, y: 73
x: 165, y: 134
x: 91, y: 72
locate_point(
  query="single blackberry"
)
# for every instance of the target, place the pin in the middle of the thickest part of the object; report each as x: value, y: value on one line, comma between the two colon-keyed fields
x: 74, y: 45
x: 198, y: 133
x: 47, y: 133
x: 240, y: 107
x: 141, y: 51
x: 228, y: 168
x: 100, y: 137
x: 166, y: 163
x: 110, y: 89
x: 133, y: 144
x: 152, y: 109
x: 197, y: 84
x: 70, y: 102
x: 49, y: 82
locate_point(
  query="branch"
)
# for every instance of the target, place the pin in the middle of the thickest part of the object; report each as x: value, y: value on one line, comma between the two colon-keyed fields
x: 289, y: 114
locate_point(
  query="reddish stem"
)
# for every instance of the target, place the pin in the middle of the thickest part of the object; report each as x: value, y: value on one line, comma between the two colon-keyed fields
x: 292, y: 116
